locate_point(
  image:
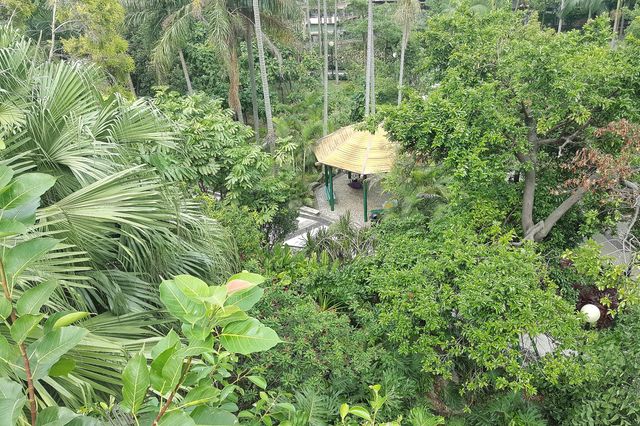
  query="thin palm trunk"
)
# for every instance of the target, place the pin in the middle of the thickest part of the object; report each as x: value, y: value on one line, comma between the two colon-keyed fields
x: 252, y: 82
x: 372, y: 59
x: 616, y: 23
x: 130, y: 84
x: 319, y: 29
x: 307, y: 22
x: 234, y: 81
x: 53, y: 29
x: 590, y: 12
x: 335, y: 39
x: 325, y: 75
x: 271, y: 135
x: 367, y: 85
x: 403, y: 48
x: 185, y: 71
x: 560, y: 16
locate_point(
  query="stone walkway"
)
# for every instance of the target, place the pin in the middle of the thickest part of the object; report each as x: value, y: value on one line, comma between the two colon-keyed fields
x: 348, y: 200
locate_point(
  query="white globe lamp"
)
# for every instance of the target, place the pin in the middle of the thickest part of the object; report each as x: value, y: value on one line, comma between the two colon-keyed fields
x: 591, y: 312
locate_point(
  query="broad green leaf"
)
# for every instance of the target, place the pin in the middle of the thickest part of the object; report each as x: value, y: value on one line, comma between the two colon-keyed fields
x: 169, y: 341
x: 245, y: 299
x: 230, y: 314
x: 214, y: 417
x: 6, y: 174
x: 10, y: 389
x: 136, y: 381
x: 195, y: 331
x: 10, y: 410
x: 360, y: 411
x: 8, y: 353
x: 62, y: 319
x: 25, y: 213
x: 254, y: 279
x: 18, y: 258
x: 179, y: 305
x: 199, y: 347
x: 176, y: 418
x: 203, y: 394
x: 47, y: 350
x: 32, y: 300
x: 55, y: 416
x: 12, y: 399
x: 63, y: 367
x: 24, y: 188
x: 217, y: 295
x: 69, y: 319
x: 192, y: 287
x: 166, y: 370
x: 23, y: 326
x: 248, y: 336
x: 258, y: 381
x: 5, y: 308
x: 11, y: 227
x: 344, y: 410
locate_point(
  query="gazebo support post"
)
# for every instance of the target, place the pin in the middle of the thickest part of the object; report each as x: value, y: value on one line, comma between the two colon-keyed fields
x: 365, y: 190
x: 332, y: 200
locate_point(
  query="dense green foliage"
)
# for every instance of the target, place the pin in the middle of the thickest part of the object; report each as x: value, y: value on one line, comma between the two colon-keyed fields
x: 122, y: 216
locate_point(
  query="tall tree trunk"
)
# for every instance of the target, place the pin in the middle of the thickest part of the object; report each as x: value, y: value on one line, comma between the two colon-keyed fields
x: 271, y: 134
x: 335, y: 40
x: 616, y: 23
x: 590, y: 12
x: 367, y: 86
x: 234, y: 80
x: 325, y: 75
x: 53, y: 29
x: 307, y: 22
x: 403, y: 47
x: 252, y: 82
x: 373, y: 69
x: 319, y: 29
x: 132, y: 88
x: 560, y: 16
x: 185, y: 71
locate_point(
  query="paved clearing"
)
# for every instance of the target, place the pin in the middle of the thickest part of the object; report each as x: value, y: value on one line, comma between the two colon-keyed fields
x: 349, y: 200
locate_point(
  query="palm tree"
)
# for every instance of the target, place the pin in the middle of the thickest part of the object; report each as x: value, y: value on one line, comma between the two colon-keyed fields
x: 121, y: 229
x: 252, y: 82
x: 270, y: 139
x: 406, y: 15
x: 325, y: 75
x: 226, y: 23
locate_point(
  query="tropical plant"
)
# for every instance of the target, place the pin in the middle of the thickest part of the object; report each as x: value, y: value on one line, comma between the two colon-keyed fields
x: 225, y: 22
x: 36, y: 345
x: 348, y: 413
x: 188, y: 372
x: 128, y: 226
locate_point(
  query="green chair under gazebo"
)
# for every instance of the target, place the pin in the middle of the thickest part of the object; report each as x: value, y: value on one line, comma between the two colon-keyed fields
x: 356, y: 151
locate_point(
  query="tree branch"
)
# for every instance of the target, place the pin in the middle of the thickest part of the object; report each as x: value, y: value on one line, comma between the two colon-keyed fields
x: 166, y: 405
x: 542, y: 228
x: 23, y: 349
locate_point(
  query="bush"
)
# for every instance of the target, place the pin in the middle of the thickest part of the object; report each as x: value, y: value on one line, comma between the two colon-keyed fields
x: 611, y: 393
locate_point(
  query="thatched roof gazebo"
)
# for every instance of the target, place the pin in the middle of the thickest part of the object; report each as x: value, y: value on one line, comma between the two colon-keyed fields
x: 356, y: 151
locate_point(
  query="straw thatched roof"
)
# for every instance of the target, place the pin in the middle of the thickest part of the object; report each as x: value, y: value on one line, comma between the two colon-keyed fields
x: 356, y: 151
